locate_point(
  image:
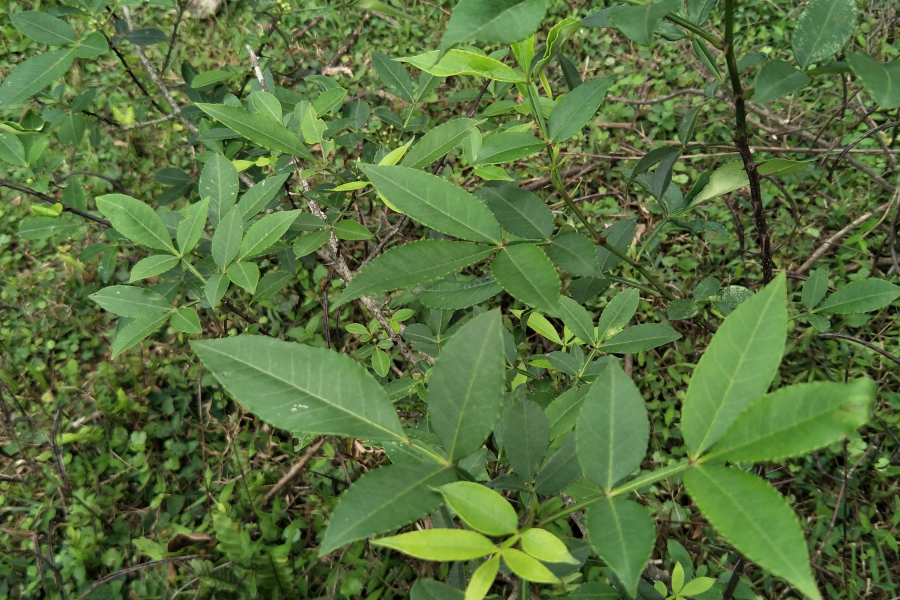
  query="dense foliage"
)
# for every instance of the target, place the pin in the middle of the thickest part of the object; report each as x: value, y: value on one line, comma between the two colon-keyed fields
x: 555, y: 298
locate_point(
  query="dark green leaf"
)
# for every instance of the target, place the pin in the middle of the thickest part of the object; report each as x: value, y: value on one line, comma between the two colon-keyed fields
x: 526, y: 274
x: 639, y: 22
x: 882, y: 81
x: 185, y: 320
x: 309, y: 243
x: 132, y: 334
x: 860, y: 296
x: 394, y: 76
x: 33, y: 75
x: 347, y: 229
x: 44, y: 28
x: 258, y: 197
x: 526, y: 436
x: 146, y: 37
x: 620, y: 235
x: 38, y: 228
x: 507, y: 146
x: 639, y: 338
x: 438, y: 142
x: 92, y: 46
x: 132, y: 302
x: 622, y: 533
x: 814, y: 289
x: 499, y: 21
x: 681, y: 309
x: 562, y: 413
x: 219, y: 183
x: 617, y: 313
x: 577, y: 108
x: 152, y: 266
x: 687, y: 125
x: 560, y: 469
x: 577, y: 319
x: 12, y: 150
x: 244, y: 274
x: 776, y: 79
x: 136, y: 221
x: 263, y: 234
x: 259, y: 129
x: 519, y: 211
x: 226, y: 242
x: 822, y: 29
x: 271, y: 284
x: 457, y: 295
x: 575, y: 253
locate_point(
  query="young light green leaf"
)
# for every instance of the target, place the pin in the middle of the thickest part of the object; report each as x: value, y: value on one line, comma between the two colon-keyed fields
x: 384, y: 499
x: 526, y: 437
x: 697, y: 586
x: 613, y: 428
x: 437, y: 142
x: 394, y: 76
x: 577, y: 319
x: 576, y: 108
x: 300, y: 388
x: 265, y: 232
x: 822, y: 29
x: 258, y: 197
x: 617, y: 313
x: 727, y: 178
x: 482, y: 579
x: 215, y: 288
x: 226, y: 241
x: 776, y: 79
x: 526, y: 567
x: 190, y: 229
x: 259, y: 129
x: 309, y: 243
x: 460, y: 62
x: 33, y: 75
x: 546, y: 547
x: 381, y: 363
x: 562, y: 413
x: 862, y: 296
x: 639, y: 338
x: 457, y: 295
x: 637, y: 23
x: 131, y: 302
x: 132, y: 334
x: 814, y: 289
x: 737, y: 366
x: 540, y: 324
x: 219, y: 183
x: 557, y: 37
x: 507, y: 146
x: 622, y: 533
x: 467, y: 384
x: 136, y: 221
x: 754, y: 517
x: 440, y: 544
x: 244, y: 274
x: 575, y: 253
x: 435, y: 202
x: 499, y: 22
x: 185, y: 320
x: 412, y: 264
x: 44, y: 28
x: 519, y: 211
x: 152, y: 266
x: 348, y: 229
x: 481, y: 508
x: 796, y: 420
x: 882, y: 81
x: 560, y: 469
x: 527, y: 275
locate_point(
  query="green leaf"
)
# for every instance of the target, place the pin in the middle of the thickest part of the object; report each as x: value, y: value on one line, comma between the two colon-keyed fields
x: 577, y: 108
x: 781, y: 167
x: 577, y: 319
x: 481, y: 508
x: 131, y: 302
x: 526, y: 273
x: 519, y: 211
x: 526, y: 437
x: 71, y: 131
x: 460, y: 62
x: 457, y: 295
x: 201, y: 80
x: 617, y: 313
x: 881, y: 81
x: 244, y: 274
x: 385, y: 499
x: 727, y: 178
x: 328, y: 100
x: 33, y: 75
x: 440, y: 544
x: 271, y: 284
x: 622, y: 533
x: 44, y: 28
x: 226, y: 241
x: 546, y: 547
x: 499, y: 22
x: 482, y: 579
x: 265, y: 232
x: 132, y: 334
x: 309, y: 243
x: 822, y: 29
x: 301, y: 388
x: 92, y: 46
x: 219, y: 183
x: 435, y: 202
x: 429, y: 589
x: 560, y: 469
x: 215, y: 288
x: 557, y: 37
x: 266, y: 104
x: 347, y: 229
x: 394, y: 76
x: 637, y: 23
x: 819, y: 322
x: 682, y: 309
x: 258, y: 197
x: 526, y: 567
x: 620, y: 235
x: 639, y: 338
x: 776, y: 79
x: 438, y: 142
x: 12, y: 150
x: 562, y: 413
x: 412, y: 264
x: 860, y: 296
x: 796, y: 420
x: 507, y: 146
x: 755, y: 518
x: 38, y: 228
x: 152, y: 266
x: 814, y: 289
x: 190, y: 229
x: 613, y: 428
x: 736, y: 368
x: 575, y: 253
x: 687, y: 125
x: 185, y: 320
x: 466, y: 386
x: 381, y: 363
x: 146, y: 37
x: 260, y: 129
x: 540, y: 324
x: 697, y: 586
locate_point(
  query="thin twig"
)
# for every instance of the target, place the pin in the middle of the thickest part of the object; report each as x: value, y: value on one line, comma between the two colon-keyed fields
x: 140, y: 567
x: 833, y: 240
x: 290, y: 475
x: 856, y: 340
x: 112, y: 180
x: 52, y: 200
x: 728, y: 594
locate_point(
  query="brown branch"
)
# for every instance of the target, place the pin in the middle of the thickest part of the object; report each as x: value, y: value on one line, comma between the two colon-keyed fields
x: 140, y: 567
x: 295, y: 470
x: 856, y: 340
x: 52, y: 200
